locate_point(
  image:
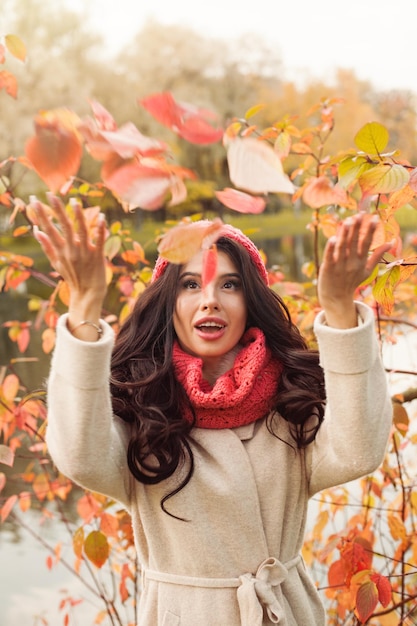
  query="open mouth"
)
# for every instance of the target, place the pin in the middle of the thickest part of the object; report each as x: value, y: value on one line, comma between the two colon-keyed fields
x: 210, y: 327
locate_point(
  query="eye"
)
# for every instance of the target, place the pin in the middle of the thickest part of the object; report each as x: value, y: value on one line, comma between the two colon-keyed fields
x: 190, y: 283
x: 232, y: 283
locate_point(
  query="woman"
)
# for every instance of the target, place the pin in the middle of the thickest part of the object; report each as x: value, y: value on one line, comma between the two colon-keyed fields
x: 211, y: 421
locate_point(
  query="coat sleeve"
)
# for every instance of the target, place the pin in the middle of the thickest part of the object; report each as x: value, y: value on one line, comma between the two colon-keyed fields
x: 353, y: 438
x: 86, y: 442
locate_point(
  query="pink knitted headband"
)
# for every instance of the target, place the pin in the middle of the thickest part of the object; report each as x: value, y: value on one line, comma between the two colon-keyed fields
x: 232, y: 233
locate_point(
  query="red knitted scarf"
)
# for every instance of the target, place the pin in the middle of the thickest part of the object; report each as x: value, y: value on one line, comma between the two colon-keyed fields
x: 242, y: 395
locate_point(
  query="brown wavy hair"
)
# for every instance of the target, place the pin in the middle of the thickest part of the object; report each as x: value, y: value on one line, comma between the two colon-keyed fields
x: 146, y: 394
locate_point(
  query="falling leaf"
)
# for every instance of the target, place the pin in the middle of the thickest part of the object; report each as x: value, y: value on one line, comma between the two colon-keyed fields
x: 55, y: 151
x: 8, y: 82
x: 255, y: 167
x: 189, y: 122
x: 209, y: 266
x: 241, y: 201
x: 182, y: 242
x: 15, y: 46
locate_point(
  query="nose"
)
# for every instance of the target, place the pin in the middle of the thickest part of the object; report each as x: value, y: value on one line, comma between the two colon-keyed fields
x: 209, y: 298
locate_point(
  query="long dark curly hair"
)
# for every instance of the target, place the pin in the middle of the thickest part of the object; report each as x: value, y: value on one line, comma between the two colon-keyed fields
x: 146, y: 394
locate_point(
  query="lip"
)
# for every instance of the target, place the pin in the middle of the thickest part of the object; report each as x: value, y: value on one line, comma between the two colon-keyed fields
x: 210, y: 335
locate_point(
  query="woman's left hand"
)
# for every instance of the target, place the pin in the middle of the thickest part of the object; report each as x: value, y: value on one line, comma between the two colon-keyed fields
x: 346, y: 264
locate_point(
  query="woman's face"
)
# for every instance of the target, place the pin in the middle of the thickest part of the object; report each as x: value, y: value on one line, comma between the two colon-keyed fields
x: 209, y: 322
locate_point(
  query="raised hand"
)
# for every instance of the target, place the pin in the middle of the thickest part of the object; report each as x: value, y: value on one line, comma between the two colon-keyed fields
x: 78, y: 259
x: 346, y: 264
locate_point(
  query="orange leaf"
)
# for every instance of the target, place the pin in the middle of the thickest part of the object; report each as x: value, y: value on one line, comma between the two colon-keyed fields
x: 97, y: 548
x: 319, y: 192
x: 7, y: 507
x: 8, y: 82
x: 48, y: 340
x: 87, y: 507
x: 240, y: 201
x: 55, y: 151
x: 182, y: 242
x: 78, y: 542
x: 396, y: 527
x: 109, y: 525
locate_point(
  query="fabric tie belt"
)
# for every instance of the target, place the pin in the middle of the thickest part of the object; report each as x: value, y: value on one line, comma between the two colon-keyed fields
x: 254, y: 592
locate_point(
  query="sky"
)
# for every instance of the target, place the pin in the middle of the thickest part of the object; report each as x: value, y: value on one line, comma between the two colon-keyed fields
x: 375, y: 38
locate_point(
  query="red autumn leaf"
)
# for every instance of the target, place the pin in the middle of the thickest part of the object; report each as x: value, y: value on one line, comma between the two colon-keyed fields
x: 8, y: 82
x: 319, y: 192
x: 384, y: 588
x: 209, y: 266
x: 241, y: 201
x: 182, y: 242
x: 337, y: 574
x: 366, y: 600
x: 96, y: 548
x: 55, y: 151
x: 254, y: 166
x: 189, y: 122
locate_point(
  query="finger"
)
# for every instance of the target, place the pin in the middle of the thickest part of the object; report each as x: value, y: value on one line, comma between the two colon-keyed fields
x: 62, y: 217
x: 80, y: 218
x: 377, y: 255
x: 101, y: 232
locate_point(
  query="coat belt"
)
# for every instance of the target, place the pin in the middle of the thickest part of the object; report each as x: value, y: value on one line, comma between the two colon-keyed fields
x: 254, y: 591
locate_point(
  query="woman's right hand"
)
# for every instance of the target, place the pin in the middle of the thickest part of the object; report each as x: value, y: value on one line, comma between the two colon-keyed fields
x: 78, y: 259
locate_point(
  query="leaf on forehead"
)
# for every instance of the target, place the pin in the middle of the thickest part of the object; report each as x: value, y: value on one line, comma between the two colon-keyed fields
x: 182, y: 242
x: 209, y: 265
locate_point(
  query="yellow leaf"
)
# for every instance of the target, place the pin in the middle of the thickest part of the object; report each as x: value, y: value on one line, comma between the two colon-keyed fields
x: 97, y: 548
x: 396, y: 527
x: 254, y: 110
x: 372, y: 138
x: 15, y: 46
x: 384, y: 178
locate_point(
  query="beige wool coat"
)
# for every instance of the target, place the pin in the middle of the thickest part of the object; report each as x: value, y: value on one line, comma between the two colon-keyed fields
x: 236, y: 561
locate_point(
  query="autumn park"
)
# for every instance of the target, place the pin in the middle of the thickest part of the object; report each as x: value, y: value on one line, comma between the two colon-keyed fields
x: 152, y: 143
